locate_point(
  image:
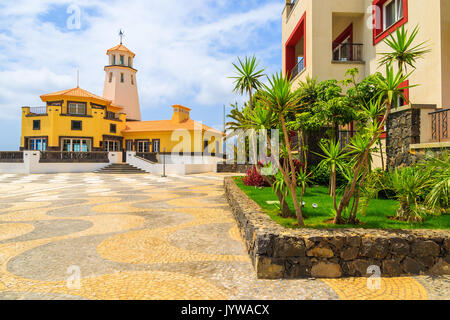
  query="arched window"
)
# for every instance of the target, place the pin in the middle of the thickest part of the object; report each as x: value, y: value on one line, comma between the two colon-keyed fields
x: 122, y: 79
x: 110, y: 77
x: 113, y: 59
x: 132, y: 80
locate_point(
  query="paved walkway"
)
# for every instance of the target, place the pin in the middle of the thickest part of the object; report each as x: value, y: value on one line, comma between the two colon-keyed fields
x: 144, y: 237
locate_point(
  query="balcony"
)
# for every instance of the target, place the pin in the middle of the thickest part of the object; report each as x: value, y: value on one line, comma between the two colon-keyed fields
x: 440, y: 122
x: 347, y: 52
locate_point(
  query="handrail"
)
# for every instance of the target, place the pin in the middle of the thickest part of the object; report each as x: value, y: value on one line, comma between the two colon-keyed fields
x: 146, y: 160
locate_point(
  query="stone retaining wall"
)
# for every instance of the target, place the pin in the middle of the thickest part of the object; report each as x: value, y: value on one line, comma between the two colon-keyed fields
x: 277, y: 252
x: 233, y: 168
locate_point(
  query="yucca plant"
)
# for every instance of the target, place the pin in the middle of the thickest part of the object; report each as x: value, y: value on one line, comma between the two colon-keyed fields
x: 334, y: 158
x: 409, y: 184
x: 248, y: 77
x: 404, y: 53
x: 438, y: 197
x: 389, y: 90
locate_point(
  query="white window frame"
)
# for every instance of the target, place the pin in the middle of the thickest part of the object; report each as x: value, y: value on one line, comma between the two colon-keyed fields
x: 71, y: 144
x: 111, y: 146
x: 156, y: 146
x: 43, y: 144
x: 140, y: 146
x: 398, y: 17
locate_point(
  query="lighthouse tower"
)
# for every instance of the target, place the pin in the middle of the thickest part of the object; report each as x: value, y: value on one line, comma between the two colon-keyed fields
x: 120, y: 81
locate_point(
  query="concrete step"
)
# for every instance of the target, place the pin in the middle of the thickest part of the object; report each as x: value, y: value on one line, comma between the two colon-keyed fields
x: 121, y: 168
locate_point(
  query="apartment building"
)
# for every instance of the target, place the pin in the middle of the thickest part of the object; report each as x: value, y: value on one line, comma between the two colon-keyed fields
x: 324, y: 38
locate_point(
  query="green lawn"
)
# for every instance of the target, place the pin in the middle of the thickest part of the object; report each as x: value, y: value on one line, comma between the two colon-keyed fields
x: 376, y: 218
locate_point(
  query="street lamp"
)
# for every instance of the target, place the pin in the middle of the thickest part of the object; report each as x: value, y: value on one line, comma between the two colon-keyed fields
x: 164, y: 163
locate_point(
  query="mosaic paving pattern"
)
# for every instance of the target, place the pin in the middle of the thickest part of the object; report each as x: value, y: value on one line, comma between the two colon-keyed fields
x: 145, y: 237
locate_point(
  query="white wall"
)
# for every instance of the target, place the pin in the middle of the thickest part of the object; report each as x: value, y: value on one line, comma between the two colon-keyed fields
x: 207, y: 164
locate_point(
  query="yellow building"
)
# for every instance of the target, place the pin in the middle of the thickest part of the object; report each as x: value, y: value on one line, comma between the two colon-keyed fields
x: 76, y: 120
x: 324, y: 38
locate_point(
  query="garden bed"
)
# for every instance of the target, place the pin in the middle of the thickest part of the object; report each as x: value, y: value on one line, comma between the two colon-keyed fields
x: 379, y: 215
x: 287, y: 252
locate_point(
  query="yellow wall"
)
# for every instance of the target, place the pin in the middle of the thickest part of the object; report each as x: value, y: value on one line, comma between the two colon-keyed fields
x: 54, y: 125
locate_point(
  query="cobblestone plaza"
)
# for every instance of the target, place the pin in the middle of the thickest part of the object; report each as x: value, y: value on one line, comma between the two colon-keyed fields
x: 98, y: 236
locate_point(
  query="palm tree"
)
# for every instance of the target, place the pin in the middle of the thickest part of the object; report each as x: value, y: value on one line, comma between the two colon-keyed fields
x: 404, y: 53
x: 247, y: 78
x: 280, y: 99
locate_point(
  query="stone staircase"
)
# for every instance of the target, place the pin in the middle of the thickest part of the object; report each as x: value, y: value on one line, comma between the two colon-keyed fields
x: 120, y: 168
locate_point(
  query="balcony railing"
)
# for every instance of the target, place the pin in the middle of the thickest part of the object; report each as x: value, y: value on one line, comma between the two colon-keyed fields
x: 38, y: 111
x: 343, y: 52
x: 440, y: 122
x: 71, y: 157
x: 299, y: 67
x: 112, y: 116
x: 11, y: 156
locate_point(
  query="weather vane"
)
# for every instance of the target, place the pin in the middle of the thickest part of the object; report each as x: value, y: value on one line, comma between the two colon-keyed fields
x: 121, y: 34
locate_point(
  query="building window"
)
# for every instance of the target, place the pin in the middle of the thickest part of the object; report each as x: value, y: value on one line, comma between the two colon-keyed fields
x: 37, y: 144
x: 36, y: 124
x: 113, y: 59
x: 142, y: 146
x: 129, y: 145
x: 110, y: 77
x: 122, y: 60
x: 392, y: 12
x: 156, y: 144
x: 77, y: 145
x: 77, y: 125
x: 112, y: 128
x: 388, y: 15
x: 122, y: 79
x: 132, y: 80
x: 77, y: 108
x: 111, y: 146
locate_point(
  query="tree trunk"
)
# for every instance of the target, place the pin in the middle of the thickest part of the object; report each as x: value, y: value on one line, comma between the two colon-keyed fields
x: 333, y: 187
x: 381, y: 153
x: 293, y: 183
x: 250, y: 102
x: 285, y: 211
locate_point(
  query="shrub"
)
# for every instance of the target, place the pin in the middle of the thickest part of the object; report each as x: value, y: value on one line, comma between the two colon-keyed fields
x: 254, y: 179
x: 321, y: 176
x: 409, y: 185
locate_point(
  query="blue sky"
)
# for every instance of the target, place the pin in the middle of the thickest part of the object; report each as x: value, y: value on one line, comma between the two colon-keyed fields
x: 184, y: 50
